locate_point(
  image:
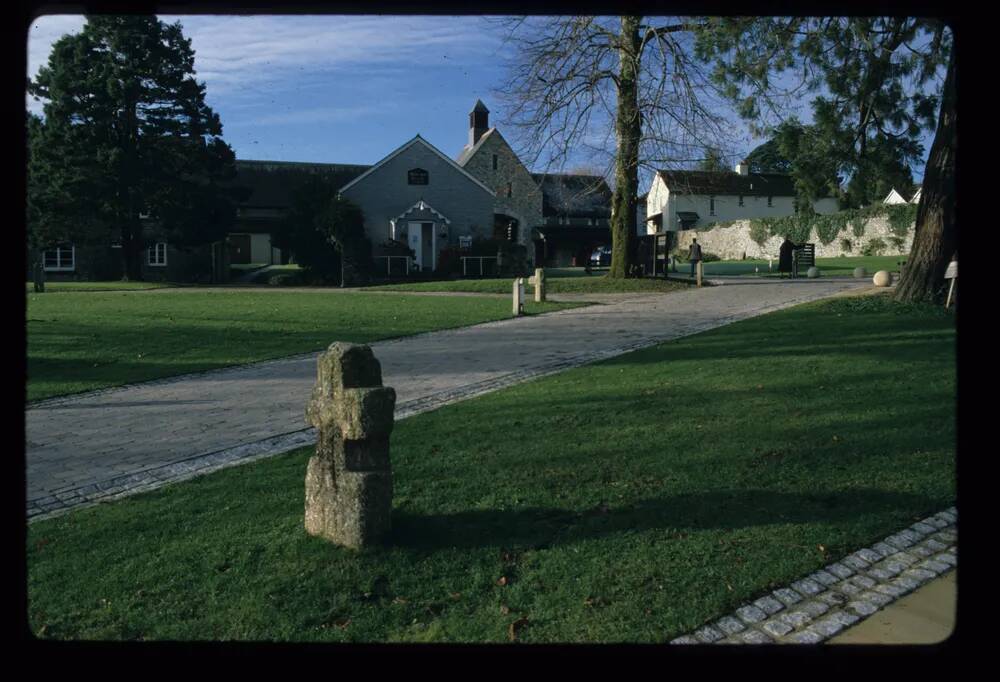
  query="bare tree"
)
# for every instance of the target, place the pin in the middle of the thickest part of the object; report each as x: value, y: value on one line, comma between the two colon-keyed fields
x: 627, y: 90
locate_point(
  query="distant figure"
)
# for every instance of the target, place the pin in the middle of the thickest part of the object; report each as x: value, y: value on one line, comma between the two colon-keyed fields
x: 785, y: 256
x: 694, y: 255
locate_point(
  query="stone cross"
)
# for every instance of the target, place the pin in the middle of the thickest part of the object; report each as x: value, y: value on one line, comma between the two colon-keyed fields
x: 538, y: 281
x: 348, y: 479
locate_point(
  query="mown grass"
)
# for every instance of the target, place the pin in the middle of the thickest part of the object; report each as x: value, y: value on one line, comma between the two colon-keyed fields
x: 564, y: 284
x: 829, y: 267
x: 116, y: 285
x: 628, y: 501
x: 80, y: 342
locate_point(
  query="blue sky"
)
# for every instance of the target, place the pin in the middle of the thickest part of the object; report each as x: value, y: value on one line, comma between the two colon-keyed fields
x: 338, y: 89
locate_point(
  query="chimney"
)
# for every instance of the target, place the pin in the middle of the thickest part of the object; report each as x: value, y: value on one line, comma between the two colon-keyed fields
x: 743, y: 168
x: 479, y: 122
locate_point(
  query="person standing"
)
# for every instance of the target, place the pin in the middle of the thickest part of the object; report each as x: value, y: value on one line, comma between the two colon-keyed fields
x: 694, y: 255
x: 785, y: 256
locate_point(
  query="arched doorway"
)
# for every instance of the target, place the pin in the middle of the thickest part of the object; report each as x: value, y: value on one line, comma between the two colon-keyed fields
x: 506, y: 228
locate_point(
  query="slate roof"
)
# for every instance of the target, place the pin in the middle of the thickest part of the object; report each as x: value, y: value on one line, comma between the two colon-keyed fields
x: 574, y: 196
x: 272, y: 183
x: 468, y: 152
x: 714, y: 182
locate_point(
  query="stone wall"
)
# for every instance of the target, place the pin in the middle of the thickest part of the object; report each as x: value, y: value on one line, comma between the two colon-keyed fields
x: 734, y: 241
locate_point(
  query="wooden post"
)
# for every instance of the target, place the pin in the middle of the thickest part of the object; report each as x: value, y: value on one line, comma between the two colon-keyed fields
x: 698, y: 272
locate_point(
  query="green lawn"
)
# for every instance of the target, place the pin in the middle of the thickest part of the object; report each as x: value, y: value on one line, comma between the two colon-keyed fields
x: 829, y: 267
x: 628, y: 501
x: 558, y: 281
x: 80, y: 342
x: 116, y: 285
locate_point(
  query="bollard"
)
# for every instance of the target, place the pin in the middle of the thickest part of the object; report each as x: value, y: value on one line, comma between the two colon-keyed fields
x: 698, y: 272
x: 518, y: 297
x: 539, y: 285
x: 348, y: 497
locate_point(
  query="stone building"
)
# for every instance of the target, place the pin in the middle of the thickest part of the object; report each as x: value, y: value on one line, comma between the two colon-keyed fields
x: 517, y: 204
x: 271, y: 186
x: 160, y: 261
x: 418, y: 196
x: 416, y: 201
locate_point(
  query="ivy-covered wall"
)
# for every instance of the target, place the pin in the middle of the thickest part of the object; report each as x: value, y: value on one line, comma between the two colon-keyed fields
x: 883, y: 229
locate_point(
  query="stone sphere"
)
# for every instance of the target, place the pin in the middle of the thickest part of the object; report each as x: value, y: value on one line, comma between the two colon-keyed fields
x: 812, y: 273
x: 882, y: 278
x: 860, y: 273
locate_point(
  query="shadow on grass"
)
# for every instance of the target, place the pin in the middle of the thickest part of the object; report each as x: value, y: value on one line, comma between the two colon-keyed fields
x: 714, y: 510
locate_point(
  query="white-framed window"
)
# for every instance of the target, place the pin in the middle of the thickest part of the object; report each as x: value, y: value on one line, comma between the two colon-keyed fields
x: 61, y: 258
x: 156, y: 254
x: 465, y: 242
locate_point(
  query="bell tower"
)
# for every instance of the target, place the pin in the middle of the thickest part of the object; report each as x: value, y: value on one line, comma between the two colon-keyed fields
x: 479, y: 122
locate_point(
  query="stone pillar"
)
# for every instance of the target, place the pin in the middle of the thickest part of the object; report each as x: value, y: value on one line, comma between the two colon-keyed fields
x: 698, y: 272
x: 539, y: 282
x: 348, y: 479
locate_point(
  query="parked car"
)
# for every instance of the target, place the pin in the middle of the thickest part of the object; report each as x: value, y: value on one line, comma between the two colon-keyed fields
x: 601, y: 257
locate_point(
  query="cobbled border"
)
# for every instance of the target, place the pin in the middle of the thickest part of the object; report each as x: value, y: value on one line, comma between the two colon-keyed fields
x: 822, y: 604
x: 62, y: 500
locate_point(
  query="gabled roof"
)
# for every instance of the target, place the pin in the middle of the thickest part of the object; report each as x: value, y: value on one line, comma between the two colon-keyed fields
x: 400, y: 150
x: 422, y: 206
x: 893, y: 197
x: 272, y: 183
x: 468, y: 152
x: 574, y: 195
x: 728, y: 182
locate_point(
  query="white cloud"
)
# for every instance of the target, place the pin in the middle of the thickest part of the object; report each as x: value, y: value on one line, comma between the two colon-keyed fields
x: 231, y: 51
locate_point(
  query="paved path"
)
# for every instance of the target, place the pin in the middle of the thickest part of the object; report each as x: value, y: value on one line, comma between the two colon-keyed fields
x: 94, y: 446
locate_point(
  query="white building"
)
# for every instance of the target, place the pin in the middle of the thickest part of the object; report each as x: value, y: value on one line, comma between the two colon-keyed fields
x: 682, y: 199
x: 895, y: 197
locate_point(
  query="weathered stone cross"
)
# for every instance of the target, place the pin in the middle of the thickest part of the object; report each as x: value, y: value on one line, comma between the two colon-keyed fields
x: 349, y: 480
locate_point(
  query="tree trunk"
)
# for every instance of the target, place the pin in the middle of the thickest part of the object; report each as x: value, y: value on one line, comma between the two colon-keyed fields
x: 935, y: 238
x: 628, y: 128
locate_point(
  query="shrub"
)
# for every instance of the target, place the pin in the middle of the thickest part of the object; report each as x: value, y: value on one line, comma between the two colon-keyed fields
x: 759, y: 232
x: 708, y: 257
x: 897, y: 242
x: 287, y: 279
x: 873, y: 248
x: 845, y: 245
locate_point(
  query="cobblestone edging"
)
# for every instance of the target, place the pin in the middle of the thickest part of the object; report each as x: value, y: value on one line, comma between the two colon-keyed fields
x: 822, y: 604
x: 94, y: 492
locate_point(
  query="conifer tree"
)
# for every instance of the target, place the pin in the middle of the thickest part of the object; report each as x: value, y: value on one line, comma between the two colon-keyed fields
x: 126, y: 131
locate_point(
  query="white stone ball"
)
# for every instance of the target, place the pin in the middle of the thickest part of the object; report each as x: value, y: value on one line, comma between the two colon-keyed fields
x: 812, y: 273
x: 860, y: 273
x: 882, y: 278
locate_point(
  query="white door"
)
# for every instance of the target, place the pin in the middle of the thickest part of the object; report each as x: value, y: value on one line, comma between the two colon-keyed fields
x: 423, y: 241
x: 415, y: 236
